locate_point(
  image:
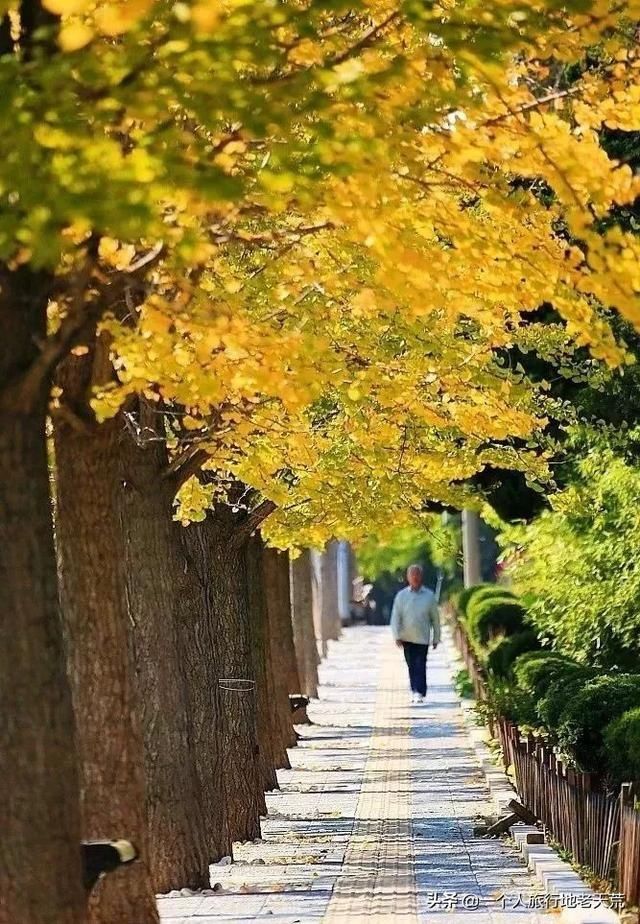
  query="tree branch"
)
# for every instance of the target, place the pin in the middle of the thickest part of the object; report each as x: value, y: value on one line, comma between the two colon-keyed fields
x: 24, y: 391
x: 363, y: 42
x: 186, y: 464
x: 145, y: 259
x: 534, y: 104
x: 253, y: 522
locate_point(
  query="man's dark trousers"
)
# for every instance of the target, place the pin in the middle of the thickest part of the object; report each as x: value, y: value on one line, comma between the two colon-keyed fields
x: 416, y: 657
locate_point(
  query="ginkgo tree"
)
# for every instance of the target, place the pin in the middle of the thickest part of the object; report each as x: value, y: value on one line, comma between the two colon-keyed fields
x: 303, y: 230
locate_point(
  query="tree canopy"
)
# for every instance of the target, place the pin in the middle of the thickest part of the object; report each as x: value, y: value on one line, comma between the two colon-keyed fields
x: 308, y: 230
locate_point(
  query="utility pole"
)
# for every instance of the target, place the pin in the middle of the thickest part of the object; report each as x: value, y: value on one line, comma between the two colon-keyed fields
x: 344, y: 582
x: 471, y: 548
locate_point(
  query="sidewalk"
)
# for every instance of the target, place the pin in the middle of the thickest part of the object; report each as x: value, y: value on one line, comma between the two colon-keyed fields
x: 374, y: 820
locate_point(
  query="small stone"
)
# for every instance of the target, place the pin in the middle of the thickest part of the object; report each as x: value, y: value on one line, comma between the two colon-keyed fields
x: 218, y: 887
x: 208, y: 892
x: 174, y: 893
x: 258, y: 862
x: 187, y: 893
x: 225, y: 861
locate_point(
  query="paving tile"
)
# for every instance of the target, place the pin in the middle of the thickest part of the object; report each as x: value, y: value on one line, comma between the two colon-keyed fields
x: 375, y: 818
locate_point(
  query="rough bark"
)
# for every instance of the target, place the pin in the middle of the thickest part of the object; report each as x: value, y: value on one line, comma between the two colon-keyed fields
x: 303, y: 627
x: 101, y: 650
x: 325, y: 596
x: 183, y: 839
x: 277, y: 593
x: 198, y: 649
x: 268, y: 758
x: 123, y: 592
x: 219, y: 560
x: 40, y: 877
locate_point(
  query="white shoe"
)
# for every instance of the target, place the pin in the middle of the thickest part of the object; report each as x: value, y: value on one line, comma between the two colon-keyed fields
x: 414, y: 697
x: 419, y: 699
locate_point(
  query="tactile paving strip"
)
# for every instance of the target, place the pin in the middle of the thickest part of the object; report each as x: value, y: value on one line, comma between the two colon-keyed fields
x: 377, y: 881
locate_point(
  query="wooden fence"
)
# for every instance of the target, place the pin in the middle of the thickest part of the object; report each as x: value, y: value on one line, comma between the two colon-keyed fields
x: 629, y: 852
x: 578, y: 813
x: 600, y: 828
x: 477, y: 673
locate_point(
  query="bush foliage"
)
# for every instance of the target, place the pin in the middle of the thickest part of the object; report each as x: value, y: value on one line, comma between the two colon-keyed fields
x: 588, y: 711
x: 493, y: 617
x: 471, y: 597
x: 535, y: 671
x: 502, y: 657
x: 622, y: 746
x: 578, y: 562
x: 484, y: 592
x: 466, y: 595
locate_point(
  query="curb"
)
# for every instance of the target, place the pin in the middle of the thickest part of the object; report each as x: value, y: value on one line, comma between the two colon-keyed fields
x: 556, y: 876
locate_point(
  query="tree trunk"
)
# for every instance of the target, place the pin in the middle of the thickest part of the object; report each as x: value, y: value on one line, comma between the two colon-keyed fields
x: 40, y: 878
x: 330, y: 605
x: 183, y: 839
x: 219, y: 560
x: 101, y: 649
x: 268, y: 758
x: 277, y: 593
x: 303, y: 629
x: 325, y: 596
x: 198, y: 648
x: 123, y: 588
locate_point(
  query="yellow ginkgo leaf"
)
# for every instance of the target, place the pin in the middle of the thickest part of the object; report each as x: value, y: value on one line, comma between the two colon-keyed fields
x: 74, y: 35
x: 206, y: 16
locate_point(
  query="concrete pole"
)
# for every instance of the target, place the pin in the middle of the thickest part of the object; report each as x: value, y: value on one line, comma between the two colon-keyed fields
x: 471, y: 547
x: 344, y: 582
x: 316, y: 589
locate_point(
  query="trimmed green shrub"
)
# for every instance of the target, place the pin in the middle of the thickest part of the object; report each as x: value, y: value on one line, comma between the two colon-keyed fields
x: 536, y: 670
x: 502, y: 657
x: 621, y: 740
x: 495, y: 616
x: 567, y: 682
x: 465, y: 595
x: 487, y: 592
x: 589, y: 710
x: 507, y: 700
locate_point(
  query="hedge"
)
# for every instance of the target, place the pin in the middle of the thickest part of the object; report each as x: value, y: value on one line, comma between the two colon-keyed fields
x: 465, y: 596
x: 495, y: 616
x: 566, y: 684
x: 509, y: 701
x: 487, y: 592
x: 621, y: 739
x: 588, y: 711
x: 535, y: 671
x: 502, y: 658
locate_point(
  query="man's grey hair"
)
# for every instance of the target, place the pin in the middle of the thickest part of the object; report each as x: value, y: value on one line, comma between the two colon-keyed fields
x: 415, y: 567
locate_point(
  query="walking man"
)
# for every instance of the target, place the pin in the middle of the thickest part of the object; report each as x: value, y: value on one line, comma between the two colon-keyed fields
x: 415, y: 623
